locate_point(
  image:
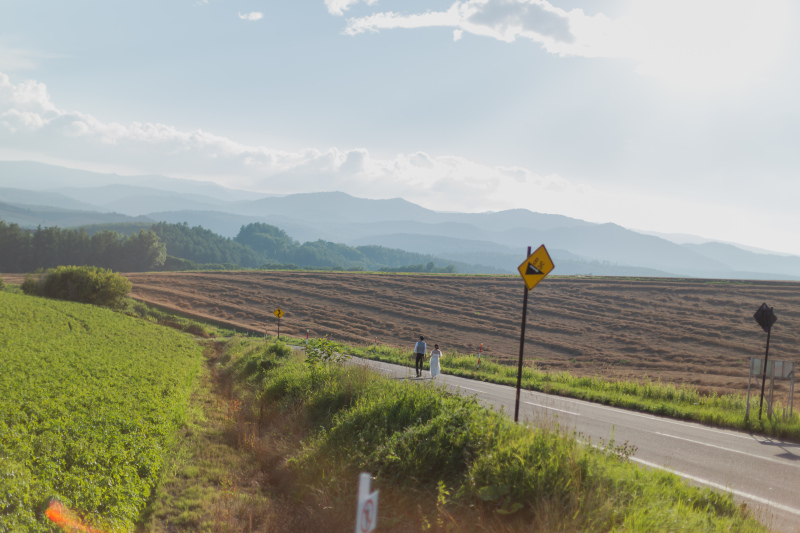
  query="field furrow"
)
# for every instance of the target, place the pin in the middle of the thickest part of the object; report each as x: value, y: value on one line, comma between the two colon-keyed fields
x: 695, y: 331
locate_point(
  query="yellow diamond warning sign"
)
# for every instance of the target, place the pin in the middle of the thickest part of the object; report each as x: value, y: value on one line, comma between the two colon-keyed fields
x: 536, y: 267
x: 278, y: 312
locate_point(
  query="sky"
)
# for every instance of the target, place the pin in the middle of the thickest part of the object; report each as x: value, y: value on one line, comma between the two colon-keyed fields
x: 676, y: 116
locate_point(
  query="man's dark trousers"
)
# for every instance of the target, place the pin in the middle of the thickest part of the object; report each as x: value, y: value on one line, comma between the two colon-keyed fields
x: 418, y: 364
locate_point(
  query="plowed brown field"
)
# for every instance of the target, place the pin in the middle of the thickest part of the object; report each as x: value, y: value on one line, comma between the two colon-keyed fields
x: 694, y: 331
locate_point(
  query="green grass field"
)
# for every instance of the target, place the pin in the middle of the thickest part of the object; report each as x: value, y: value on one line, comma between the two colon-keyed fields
x: 89, y: 402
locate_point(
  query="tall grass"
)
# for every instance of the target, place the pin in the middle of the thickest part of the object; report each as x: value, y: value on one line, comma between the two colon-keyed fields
x: 665, y: 399
x: 424, y: 438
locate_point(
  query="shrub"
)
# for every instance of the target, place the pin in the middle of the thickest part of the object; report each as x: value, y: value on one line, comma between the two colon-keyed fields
x: 324, y: 351
x: 31, y: 285
x: 2, y: 283
x: 92, y: 285
x: 258, y: 360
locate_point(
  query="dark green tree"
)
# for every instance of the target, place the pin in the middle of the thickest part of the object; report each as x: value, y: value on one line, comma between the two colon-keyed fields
x: 106, y: 250
x: 271, y: 241
x: 16, y: 248
x: 143, y: 252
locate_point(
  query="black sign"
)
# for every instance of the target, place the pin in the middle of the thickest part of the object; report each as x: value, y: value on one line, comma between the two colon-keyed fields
x: 765, y: 317
x: 533, y: 271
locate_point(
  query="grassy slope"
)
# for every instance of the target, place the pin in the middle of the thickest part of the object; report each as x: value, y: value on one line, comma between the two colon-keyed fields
x: 89, y: 402
x: 467, y: 457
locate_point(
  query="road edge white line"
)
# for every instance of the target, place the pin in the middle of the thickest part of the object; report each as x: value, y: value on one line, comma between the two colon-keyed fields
x: 467, y: 388
x: 552, y: 408
x: 735, y: 492
x: 770, y: 459
x: 567, y: 399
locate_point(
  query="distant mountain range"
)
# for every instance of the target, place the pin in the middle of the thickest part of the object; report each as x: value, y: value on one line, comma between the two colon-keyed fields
x: 33, y: 194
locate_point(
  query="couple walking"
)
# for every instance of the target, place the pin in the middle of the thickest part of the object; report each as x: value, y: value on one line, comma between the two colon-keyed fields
x: 420, y: 349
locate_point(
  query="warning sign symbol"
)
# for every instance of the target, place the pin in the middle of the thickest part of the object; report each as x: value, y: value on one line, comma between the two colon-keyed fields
x: 536, y: 267
x: 533, y: 271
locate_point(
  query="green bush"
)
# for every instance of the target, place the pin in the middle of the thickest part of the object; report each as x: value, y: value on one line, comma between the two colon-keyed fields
x: 30, y: 286
x: 258, y: 359
x: 92, y: 285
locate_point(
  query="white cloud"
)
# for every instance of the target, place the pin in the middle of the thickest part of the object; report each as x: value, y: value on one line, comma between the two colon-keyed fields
x: 505, y: 20
x: 30, y: 122
x: 694, y: 45
x: 338, y: 7
x: 255, y: 15
x: 25, y: 105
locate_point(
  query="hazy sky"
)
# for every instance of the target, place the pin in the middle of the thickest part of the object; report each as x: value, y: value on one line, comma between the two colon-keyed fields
x: 672, y: 116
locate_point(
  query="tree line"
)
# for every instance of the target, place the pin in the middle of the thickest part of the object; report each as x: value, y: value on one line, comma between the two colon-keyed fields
x: 26, y: 250
x: 166, y: 246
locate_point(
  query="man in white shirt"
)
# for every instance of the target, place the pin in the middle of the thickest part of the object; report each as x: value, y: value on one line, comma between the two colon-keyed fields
x: 420, y: 349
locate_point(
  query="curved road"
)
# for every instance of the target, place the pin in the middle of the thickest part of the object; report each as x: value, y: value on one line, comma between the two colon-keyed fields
x: 761, y: 471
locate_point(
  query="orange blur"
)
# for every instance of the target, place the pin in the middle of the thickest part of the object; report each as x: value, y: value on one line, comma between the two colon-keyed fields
x: 66, y: 519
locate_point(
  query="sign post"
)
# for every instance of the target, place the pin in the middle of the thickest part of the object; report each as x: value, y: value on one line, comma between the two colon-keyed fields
x: 367, y: 510
x: 533, y: 270
x: 765, y: 316
x: 279, y: 313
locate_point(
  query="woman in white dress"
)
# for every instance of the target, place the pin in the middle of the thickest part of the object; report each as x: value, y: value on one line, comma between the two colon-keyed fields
x: 436, y: 368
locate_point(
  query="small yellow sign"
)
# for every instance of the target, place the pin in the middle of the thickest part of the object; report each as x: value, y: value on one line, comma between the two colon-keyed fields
x: 279, y: 312
x: 536, y: 267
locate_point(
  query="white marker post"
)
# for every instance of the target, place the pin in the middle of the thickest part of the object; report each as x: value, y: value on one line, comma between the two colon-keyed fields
x: 367, y: 511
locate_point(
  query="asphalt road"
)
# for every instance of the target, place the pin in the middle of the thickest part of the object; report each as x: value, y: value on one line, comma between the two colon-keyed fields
x: 761, y: 471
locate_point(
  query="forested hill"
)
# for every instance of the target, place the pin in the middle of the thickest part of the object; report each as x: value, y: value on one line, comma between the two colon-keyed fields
x: 278, y: 247
x: 164, y: 246
x: 204, y: 246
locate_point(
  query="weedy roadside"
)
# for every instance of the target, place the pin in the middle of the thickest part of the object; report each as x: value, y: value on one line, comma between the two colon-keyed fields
x: 442, y: 462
